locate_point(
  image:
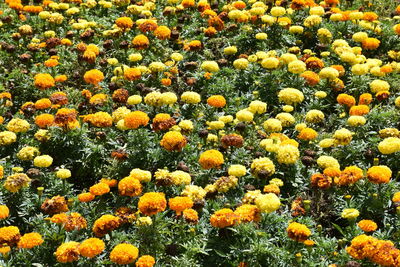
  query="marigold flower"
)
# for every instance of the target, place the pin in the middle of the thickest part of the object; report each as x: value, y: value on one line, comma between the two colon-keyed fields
x: 173, y: 141
x: 4, y: 212
x: 44, y: 120
x: 370, y: 43
x: 367, y: 225
x: 91, y: 247
x: 135, y: 119
x: 99, y: 189
x: 191, y: 216
x: 9, y: 235
x: 30, y: 240
x: 379, y: 174
x: 179, y: 204
x: 140, y: 42
x: 152, y: 203
x: 124, y: 254
x: 93, y: 77
x: 67, y: 252
x: 298, y: 232
x: 211, y: 159
x: 162, y: 32
x: 124, y: 23
x: 129, y: 186
x: 44, y: 81
x: 86, y: 197
x: 224, y: 218
x: 105, y: 224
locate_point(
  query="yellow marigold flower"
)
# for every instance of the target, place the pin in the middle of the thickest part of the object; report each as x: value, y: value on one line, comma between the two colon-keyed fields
x: 327, y: 161
x: 287, y: 154
x: 244, y: 115
x: 262, y: 167
x: 141, y: 175
x: 190, y: 97
x: 297, y: 67
x: 211, y: 159
x: 298, y: 232
x: 67, y: 252
x: 91, y: 247
x: 379, y: 174
x: 210, y: 66
x: 18, y: 125
x: 28, y: 153
x: 43, y: 161
x: 30, y: 240
x: 237, y: 170
x: 63, y: 173
x: 194, y: 192
x: 350, y: 214
x: 134, y: 100
x: 314, y: 116
x: 267, y: 203
x: 389, y: 145
x: 16, y: 181
x: 343, y: 136
x: 290, y: 96
x: 270, y: 63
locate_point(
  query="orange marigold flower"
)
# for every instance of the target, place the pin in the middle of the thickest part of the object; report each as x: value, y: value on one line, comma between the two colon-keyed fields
x: 145, y: 261
x: 349, y: 175
x: 314, y: 63
x: 359, y: 110
x: 173, y: 141
x: 248, y: 213
x: 130, y: 187
x: 371, y: 43
x: 152, y: 203
x: 105, y: 224
x: 140, y: 42
x: 224, y: 218
x: 379, y: 174
x: 365, y: 99
x: 367, y: 225
x: 93, y: 76
x: 166, y: 82
x: 44, y: 81
x: 179, y: 204
x: 193, y: 45
x: 74, y: 221
x: 132, y: 74
x: 191, y: 216
x: 188, y: 3
x: 148, y: 26
x: 396, y: 197
x: 210, y: 31
x: 51, y: 63
x: 162, y: 122
x: 43, y: 103
x: 44, y: 120
x: 124, y: 23
x: 101, y: 119
x: 86, y: 197
x: 340, y: 69
x: 135, y: 119
x: 370, y: 16
x: 110, y: 182
x: 345, y: 99
x: 91, y: 247
x: 211, y: 159
x: 65, y: 116
x: 162, y: 32
x: 59, y: 98
x: 311, y: 77
x: 307, y: 134
x: 30, y: 240
x: 239, y: 4
x: 4, y: 211
x: 321, y: 181
x: 56, y: 204
x: 67, y: 252
x: 216, y: 101
x: 99, y: 189
x: 9, y: 235
x: 98, y: 99
x: 216, y: 22
x: 124, y: 254
x: 298, y: 232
